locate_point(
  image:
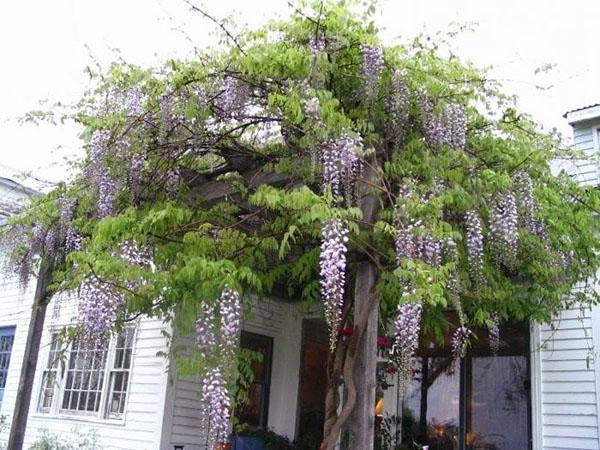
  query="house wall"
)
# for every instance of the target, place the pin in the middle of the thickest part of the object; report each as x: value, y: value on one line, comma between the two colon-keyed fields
x: 141, y: 427
x: 585, y: 139
x: 568, y: 403
x: 282, y: 322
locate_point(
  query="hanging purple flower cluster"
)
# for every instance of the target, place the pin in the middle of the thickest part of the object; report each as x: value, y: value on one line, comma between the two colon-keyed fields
x: 494, y: 334
x: 404, y: 241
x: 526, y: 205
x: 504, y: 235
x: 98, y: 307
x: 206, y: 338
x: 215, y: 406
x: 474, y: 247
x: 72, y: 238
x: 135, y: 178
x: 449, y: 128
x: 397, y: 105
x: 407, y: 326
x: 317, y: 45
x: 100, y: 302
x: 450, y: 252
x: 233, y: 98
x: 230, y: 309
x: 99, y: 174
x: 372, y: 66
x: 429, y: 250
x: 217, y: 332
x: 172, y: 182
x: 333, y: 274
x: 218, y: 325
x: 460, y: 342
x: 341, y: 165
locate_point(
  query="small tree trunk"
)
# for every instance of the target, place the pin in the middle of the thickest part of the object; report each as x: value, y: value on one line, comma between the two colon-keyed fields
x: 361, y: 424
x: 30, y: 357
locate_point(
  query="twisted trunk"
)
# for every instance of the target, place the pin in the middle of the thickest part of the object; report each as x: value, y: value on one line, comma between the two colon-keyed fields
x: 361, y: 355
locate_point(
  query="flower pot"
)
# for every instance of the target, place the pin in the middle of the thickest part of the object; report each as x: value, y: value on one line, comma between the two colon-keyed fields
x: 222, y: 446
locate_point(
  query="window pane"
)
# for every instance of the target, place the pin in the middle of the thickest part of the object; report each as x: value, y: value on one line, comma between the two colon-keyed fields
x: 430, y: 412
x: 499, y: 403
x: 255, y: 411
x: 85, y: 374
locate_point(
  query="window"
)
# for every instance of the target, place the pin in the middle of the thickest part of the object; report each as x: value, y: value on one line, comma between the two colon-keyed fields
x: 256, y: 411
x: 84, y: 378
x: 91, y: 381
x: 7, y: 336
x: 469, y: 405
x: 119, y: 374
x: 49, y: 375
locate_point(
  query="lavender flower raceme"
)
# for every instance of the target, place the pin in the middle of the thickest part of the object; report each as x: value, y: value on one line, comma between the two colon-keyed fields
x: 450, y: 252
x: 230, y: 309
x: 449, y: 128
x: 216, y: 406
x: 372, y: 66
x: 460, y: 342
x: 407, y: 326
x: 107, y: 193
x: 494, y: 334
x: 474, y: 247
x: 98, y: 308
x: 172, y: 183
x: 526, y: 206
x: 333, y: 274
x: 341, y: 164
x: 429, y: 250
x: 405, y: 240
x: 233, y: 97
x: 503, y: 229
x: 206, y: 336
x: 397, y: 107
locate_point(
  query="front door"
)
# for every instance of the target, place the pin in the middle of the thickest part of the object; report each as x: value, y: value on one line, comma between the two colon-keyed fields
x: 313, y: 383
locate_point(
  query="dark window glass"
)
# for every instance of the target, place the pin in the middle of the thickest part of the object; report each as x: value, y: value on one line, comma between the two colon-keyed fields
x: 492, y: 391
x: 7, y: 336
x: 256, y: 410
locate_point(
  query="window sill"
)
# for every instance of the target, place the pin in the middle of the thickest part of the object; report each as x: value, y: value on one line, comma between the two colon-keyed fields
x: 78, y: 418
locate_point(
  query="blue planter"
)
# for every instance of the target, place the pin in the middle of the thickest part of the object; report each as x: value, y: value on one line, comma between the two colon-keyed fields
x: 247, y: 443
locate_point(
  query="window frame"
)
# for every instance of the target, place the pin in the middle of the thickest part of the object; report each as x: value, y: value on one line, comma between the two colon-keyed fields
x: 10, y: 331
x: 57, y: 411
x: 265, y: 383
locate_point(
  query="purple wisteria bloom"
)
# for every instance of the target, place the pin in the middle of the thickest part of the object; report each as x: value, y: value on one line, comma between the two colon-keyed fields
x: 333, y: 274
x: 215, y: 406
x: 474, y: 247
x: 460, y: 342
x: 407, y: 326
x: 504, y: 234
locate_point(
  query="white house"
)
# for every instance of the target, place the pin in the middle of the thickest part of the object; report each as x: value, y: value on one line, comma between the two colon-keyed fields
x: 541, y: 392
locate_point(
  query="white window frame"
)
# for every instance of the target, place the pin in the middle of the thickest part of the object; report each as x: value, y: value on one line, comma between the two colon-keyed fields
x: 56, y: 410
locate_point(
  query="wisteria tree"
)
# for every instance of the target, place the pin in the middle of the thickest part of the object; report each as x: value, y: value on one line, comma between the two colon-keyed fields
x: 389, y: 184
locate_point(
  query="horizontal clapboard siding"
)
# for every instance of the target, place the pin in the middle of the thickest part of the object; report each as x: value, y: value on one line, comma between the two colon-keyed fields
x: 568, y: 382
x: 282, y: 322
x: 141, y: 427
x: 586, y: 141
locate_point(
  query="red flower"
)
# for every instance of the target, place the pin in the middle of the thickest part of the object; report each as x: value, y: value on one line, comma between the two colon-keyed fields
x: 383, y: 341
x: 392, y: 369
x: 347, y: 332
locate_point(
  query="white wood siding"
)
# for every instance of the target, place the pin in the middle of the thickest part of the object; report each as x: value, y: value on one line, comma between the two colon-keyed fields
x: 585, y: 139
x: 141, y: 427
x: 282, y: 322
x: 569, y: 405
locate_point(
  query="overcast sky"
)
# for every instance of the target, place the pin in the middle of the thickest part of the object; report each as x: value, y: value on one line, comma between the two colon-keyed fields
x: 45, y: 47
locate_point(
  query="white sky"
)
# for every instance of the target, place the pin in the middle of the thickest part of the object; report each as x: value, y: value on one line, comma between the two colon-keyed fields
x: 44, y: 52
